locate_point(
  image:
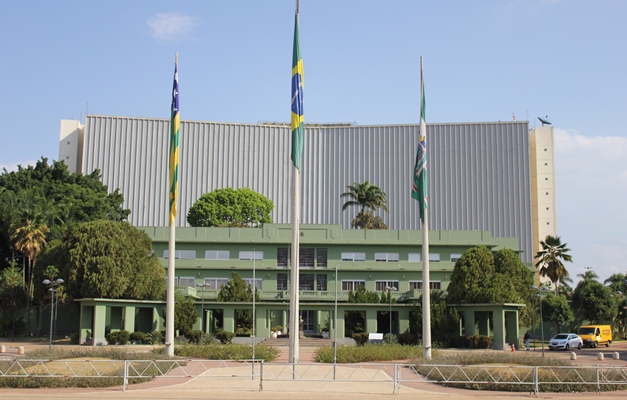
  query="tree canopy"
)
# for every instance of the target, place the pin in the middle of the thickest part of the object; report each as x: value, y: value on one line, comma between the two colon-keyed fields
x: 594, y: 302
x: 551, y: 259
x: 231, y: 208
x: 105, y: 259
x: 238, y: 291
x: 366, y: 196
x: 557, y: 311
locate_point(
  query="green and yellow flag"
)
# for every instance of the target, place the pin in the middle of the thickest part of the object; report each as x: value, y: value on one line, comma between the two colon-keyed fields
x: 298, y: 117
x: 175, y: 123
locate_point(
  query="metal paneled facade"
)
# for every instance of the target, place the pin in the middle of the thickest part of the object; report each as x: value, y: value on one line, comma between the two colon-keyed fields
x: 479, y: 172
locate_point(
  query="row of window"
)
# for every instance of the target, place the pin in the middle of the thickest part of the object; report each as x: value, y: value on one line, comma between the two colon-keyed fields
x: 306, y: 282
x: 308, y: 257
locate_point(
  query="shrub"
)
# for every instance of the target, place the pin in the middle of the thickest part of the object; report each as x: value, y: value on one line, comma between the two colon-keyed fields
x: 224, y: 336
x: 230, y: 351
x: 138, y: 337
x: 194, y: 336
x: 154, y: 337
x: 117, y: 337
x: 277, y: 328
x: 367, y: 353
x: 390, y: 338
x: 407, y: 338
x: 361, y: 338
x: 473, y: 342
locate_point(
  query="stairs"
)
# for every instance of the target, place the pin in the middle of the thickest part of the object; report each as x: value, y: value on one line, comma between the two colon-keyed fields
x: 311, y: 342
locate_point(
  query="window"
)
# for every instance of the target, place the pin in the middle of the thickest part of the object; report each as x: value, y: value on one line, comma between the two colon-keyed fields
x: 216, y: 283
x: 455, y: 257
x: 433, y: 285
x: 382, y: 285
x: 414, y: 257
x: 186, y: 281
x: 249, y: 281
x: 352, y: 285
x: 386, y: 257
x: 353, y: 256
x: 181, y: 254
x: 251, y: 255
x: 217, y: 255
x: 306, y: 282
x: 321, y: 282
x: 322, y: 258
x: 281, y: 282
x: 281, y: 257
x: 434, y: 257
x: 306, y: 258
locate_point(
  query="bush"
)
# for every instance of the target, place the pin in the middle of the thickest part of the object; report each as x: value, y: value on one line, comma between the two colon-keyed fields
x: 407, y: 338
x: 472, y: 342
x: 361, y: 338
x: 367, y: 353
x: 138, y: 337
x: 194, y: 336
x: 154, y: 337
x: 231, y: 351
x: 277, y: 328
x: 118, y: 337
x: 75, y: 338
x: 390, y: 338
x: 224, y: 336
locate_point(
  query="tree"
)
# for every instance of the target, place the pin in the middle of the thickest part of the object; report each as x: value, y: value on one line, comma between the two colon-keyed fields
x: 551, y: 257
x: 368, y: 220
x: 555, y: 309
x: 593, y: 302
x: 444, y: 319
x: 471, y: 273
x: 354, y: 321
x: 231, y: 208
x: 617, y: 282
x: 365, y: 196
x: 185, y: 315
x: 588, y: 276
x: 106, y: 259
x: 238, y: 291
x: 564, y: 287
x: 13, y: 300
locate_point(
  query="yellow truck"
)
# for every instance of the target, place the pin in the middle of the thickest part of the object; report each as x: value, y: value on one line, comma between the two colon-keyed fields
x: 595, y: 335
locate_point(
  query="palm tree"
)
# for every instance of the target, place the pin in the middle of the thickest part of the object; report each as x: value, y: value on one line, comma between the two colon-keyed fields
x: 366, y: 196
x: 588, y: 276
x: 550, y: 259
x: 617, y: 282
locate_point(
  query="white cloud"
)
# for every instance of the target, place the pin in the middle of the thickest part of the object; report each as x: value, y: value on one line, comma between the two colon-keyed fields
x: 591, y: 179
x: 171, y: 26
x: 13, y: 167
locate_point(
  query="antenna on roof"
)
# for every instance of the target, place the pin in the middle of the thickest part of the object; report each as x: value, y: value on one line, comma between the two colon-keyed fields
x: 544, y: 120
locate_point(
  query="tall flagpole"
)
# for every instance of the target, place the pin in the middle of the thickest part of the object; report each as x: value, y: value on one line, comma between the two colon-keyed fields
x: 297, y: 151
x: 174, y: 165
x: 426, y: 282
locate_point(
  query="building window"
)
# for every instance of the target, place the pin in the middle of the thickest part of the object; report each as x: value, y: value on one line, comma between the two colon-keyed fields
x: 282, y: 254
x: 414, y: 257
x: 547, y: 193
x: 216, y: 283
x: 306, y: 282
x: 321, y: 258
x: 548, y: 223
x: 353, y: 256
x: 434, y: 257
x: 433, y: 285
x: 380, y: 286
x: 217, y: 255
x: 186, y: 281
x: 455, y: 257
x: 386, y: 257
x: 547, y: 208
x: 352, y: 285
x: 249, y: 282
x: 306, y: 258
x: 281, y: 282
x: 546, y: 179
x: 181, y: 254
x: 321, y: 282
x: 251, y: 255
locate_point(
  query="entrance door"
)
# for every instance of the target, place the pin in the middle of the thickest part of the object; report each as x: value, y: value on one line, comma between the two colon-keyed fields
x: 307, y: 316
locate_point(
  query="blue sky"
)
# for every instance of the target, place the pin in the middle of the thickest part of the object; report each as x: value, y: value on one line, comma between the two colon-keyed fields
x: 484, y: 61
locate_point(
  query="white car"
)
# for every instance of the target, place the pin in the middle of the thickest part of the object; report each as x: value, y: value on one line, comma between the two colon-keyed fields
x: 565, y: 341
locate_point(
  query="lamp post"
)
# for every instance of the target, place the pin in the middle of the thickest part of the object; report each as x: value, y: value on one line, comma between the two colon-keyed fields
x: 335, y: 327
x: 202, y: 305
x: 390, y: 289
x: 52, y: 291
x: 533, y: 318
x: 539, y: 290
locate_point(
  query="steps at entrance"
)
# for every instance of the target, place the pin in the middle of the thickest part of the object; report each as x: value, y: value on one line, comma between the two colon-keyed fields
x: 303, y: 342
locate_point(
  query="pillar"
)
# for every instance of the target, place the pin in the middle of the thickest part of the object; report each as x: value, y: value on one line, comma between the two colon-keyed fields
x: 341, y: 326
x: 86, y: 323
x: 128, y: 316
x: 371, y: 320
x: 498, y: 342
x: 469, y: 323
x: 403, y: 320
x: 100, y: 321
x: 229, y: 319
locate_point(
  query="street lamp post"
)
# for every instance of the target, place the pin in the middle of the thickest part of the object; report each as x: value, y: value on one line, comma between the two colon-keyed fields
x: 543, y: 289
x: 533, y: 318
x: 52, y: 291
x: 202, y: 286
x: 335, y: 327
x: 390, y: 289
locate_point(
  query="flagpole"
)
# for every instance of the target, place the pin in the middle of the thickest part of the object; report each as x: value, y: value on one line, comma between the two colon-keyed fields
x: 174, y: 131
x: 426, y: 282
x: 297, y: 127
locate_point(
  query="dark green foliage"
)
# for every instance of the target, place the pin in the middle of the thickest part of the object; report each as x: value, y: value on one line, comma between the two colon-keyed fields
x: 224, y: 336
x: 444, y: 320
x: 185, y: 315
x: 361, y: 295
x: 368, y: 353
x: 366, y: 196
x: 154, y: 337
x: 138, y: 337
x: 471, y: 342
x: 361, y: 338
x: 237, y: 291
x: 118, y: 337
x: 593, y: 302
x: 557, y: 311
x: 106, y: 259
x: 470, y: 276
x: 229, y: 351
x: 368, y: 220
x: 231, y: 208
x: 12, y: 302
x: 551, y: 258
x: 194, y: 336
x: 407, y: 338
x: 355, y: 320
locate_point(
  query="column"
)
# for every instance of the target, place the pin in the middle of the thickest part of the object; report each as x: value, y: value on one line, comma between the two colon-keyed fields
x: 229, y: 319
x: 128, y: 315
x: 403, y: 320
x: 86, y: 323
x: 371, y: 321
x: 499, y: 330
x: 469, y: 322
x: 100, y: 321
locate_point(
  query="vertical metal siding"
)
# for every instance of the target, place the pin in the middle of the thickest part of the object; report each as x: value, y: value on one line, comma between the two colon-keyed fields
x: 479, y: 172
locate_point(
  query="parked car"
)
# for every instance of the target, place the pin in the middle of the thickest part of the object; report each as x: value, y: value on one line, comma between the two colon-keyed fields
x: 565, y: 341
